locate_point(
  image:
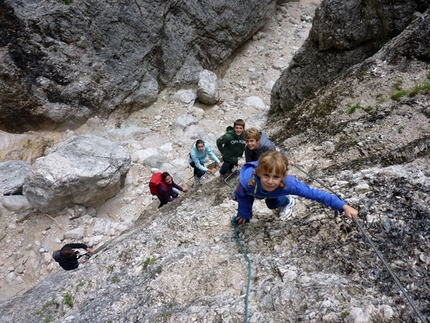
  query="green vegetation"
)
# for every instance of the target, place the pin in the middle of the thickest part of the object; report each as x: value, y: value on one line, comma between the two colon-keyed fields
x: 423, y: 88
x: 400, y: 130
x: 66, y: 1
x: 354, y: 108
x: 78, y: 286
x: 345, y: 313
x: 98, y: 79
x: 159, y: 244
x: 148, y: 261
x: 116, y: 279
x: 397, y: 85
x: 49, y: 320
x: 368, y: 109
x: 166, y: 315
x: 398, y: 95
x: 68, y: 300
x: 110, y: 269
x: 380, y: 98
x: 48, y: 304
x: 48, y: 308
x: 420, y: 88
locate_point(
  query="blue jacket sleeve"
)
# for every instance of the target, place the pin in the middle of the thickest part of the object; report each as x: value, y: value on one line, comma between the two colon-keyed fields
x: 196, y: 161
x: 245, y: 201
x: 296, y: 187
x: 211, y: 154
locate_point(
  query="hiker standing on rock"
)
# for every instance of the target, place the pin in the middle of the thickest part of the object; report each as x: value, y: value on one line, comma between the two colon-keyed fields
x: 231, y: 146
x: 198, y: 156
x: 257, y: 143
x: 68, y: 258
x: 165, y: 191
x: 267, y: 179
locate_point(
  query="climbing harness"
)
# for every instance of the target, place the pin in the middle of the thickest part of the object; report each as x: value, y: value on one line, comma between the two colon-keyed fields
x: 367, y: 236
x: 248, y: 285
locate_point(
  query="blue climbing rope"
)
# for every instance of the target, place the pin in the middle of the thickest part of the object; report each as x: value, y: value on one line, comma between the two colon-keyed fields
x: 248, y: 286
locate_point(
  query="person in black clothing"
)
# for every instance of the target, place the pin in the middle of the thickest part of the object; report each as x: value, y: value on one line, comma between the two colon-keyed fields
x: 68, y: 258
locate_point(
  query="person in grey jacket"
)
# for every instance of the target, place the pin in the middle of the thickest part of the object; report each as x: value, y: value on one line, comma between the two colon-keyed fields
x: 257, y: 143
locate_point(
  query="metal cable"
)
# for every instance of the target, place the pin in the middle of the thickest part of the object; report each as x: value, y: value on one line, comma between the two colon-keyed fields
x: 367, y: 236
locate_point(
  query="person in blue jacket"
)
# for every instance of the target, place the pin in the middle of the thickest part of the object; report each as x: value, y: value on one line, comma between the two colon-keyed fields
x: 267, y: 179
x: 198, y: 156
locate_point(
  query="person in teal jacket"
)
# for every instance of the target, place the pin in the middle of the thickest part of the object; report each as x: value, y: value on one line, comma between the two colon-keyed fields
x: 267, y: 179
x: 198, y: 156
x: 231, y: 146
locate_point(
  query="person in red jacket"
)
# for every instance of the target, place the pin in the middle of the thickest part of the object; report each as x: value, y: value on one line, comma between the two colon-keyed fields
x: 165, y: 189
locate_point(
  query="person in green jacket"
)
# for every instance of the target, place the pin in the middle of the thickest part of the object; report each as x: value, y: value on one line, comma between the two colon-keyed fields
x: 231, y: 146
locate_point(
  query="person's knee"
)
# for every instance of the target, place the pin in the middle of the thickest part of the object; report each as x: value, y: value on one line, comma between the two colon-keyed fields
x: 272, y: 204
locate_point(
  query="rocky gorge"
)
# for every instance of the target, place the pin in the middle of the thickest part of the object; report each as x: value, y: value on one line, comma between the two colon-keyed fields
x: 182, y: 263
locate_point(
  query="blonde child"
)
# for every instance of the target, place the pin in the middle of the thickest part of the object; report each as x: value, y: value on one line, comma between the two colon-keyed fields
x: 257, y: 143
x: 267, y: 179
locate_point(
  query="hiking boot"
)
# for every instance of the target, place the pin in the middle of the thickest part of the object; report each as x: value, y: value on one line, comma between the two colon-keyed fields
x: 201, y: 180
x: 287, y: 210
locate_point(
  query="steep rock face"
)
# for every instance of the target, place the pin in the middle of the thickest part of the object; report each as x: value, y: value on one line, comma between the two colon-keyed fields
x: 61, y: 63
x: 400, y: 68
x: 343, y: 34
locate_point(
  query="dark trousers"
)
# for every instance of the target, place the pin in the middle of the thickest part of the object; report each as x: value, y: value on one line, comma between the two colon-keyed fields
x: 174, y: 194
x: 197, y: 171
x: 226, y: 166
x: 277, y: 202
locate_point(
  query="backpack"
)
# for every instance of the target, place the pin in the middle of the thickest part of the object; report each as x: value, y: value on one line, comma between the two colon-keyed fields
x: 56, y: 255
x: 154, y: 182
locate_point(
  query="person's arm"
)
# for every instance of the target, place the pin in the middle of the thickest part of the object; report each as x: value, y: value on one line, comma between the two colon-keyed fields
x: 196, y: 161
x: 296, y: 187
x: 267, y: 146
x: 211, y: 154
x: 179, y: 187
x: 220, y: 143
x: 215, y: 158
x: 350, y: 212
x: 245, y: 202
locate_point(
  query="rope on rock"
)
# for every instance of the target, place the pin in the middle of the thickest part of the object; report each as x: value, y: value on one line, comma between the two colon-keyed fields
x: 234, y: 223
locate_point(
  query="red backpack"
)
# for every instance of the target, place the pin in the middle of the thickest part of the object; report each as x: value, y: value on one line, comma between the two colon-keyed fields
x: 154, y: 182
